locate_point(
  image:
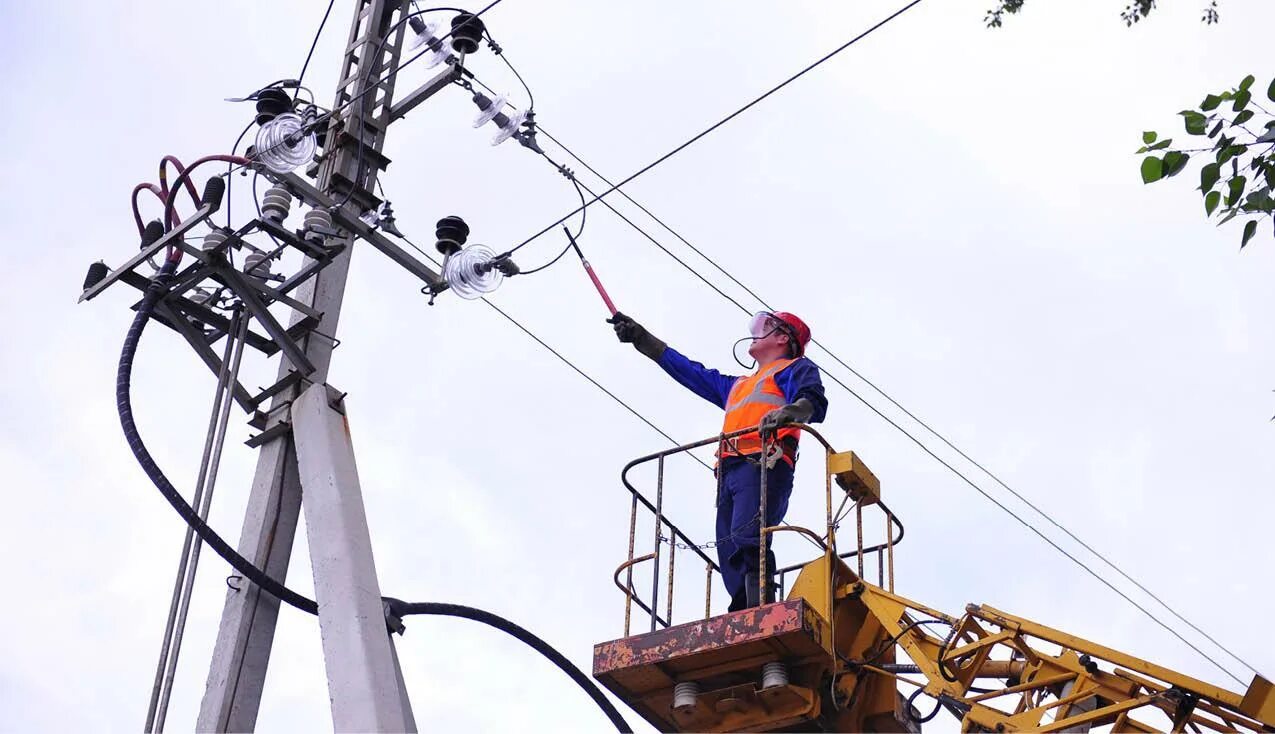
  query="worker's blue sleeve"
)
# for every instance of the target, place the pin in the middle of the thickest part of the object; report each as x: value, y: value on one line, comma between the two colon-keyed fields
x: 707, y: 383
x: 801, y: 380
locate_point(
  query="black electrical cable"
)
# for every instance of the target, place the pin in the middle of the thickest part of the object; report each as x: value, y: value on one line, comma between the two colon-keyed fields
x: 888, y: 643
x: 404, y: 609
x: 123, y: 399
x: 234, y: 150
x: 315, y: 42
x: 498, y: 51
x: 732, y: 115
x: 584, y: 216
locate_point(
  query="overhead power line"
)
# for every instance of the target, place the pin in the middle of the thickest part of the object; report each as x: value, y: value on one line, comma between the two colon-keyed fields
x: 836, y: 358
x: 617, y: 187
x: 315, y: 42
x: 956, y: 471
x: 564, y: 360
x: 731, y: 116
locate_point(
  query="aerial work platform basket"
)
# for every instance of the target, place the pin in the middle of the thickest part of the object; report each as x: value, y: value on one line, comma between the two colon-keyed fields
x: 768, y: 668
x: 823, y: 658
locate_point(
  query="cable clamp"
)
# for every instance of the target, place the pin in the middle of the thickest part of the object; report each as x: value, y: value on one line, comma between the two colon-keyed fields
x: 393, y: 622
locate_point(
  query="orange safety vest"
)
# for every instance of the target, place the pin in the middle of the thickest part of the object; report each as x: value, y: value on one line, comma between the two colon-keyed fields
x: 751, y: 398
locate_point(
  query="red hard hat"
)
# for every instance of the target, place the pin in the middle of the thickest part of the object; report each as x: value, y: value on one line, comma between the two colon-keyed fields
x: 800, y: 331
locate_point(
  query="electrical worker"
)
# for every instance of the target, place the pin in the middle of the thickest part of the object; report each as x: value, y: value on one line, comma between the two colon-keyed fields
x: 784, y: 389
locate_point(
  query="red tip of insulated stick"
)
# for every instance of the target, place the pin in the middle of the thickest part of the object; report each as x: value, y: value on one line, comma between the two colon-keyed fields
x: 598, y: 284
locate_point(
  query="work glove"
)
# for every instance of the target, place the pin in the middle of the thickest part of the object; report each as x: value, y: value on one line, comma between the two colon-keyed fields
x: 798, y: 411
x: 631, y: 332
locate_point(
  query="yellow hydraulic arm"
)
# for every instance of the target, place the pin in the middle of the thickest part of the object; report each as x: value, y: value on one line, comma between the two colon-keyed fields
x: 998, y: 672
x: 843, y: 654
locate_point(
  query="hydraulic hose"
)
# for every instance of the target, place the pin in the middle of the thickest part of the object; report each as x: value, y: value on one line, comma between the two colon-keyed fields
x: 404, y: 609
x: 123, y: 400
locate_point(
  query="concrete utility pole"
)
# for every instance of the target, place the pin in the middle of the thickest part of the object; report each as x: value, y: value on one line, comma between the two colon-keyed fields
x: 307, y: 442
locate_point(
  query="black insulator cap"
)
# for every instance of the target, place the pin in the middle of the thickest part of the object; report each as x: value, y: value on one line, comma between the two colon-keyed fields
x: 214, y: 189
x: 97, y: 272
x: 482, y: 101
x: 452, y: 233
x: 154, y: 230
x: 467, y: 33
x: 271, y: 103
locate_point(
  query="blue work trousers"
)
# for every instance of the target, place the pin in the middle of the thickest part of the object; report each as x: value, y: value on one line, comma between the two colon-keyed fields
x: 738, y: 508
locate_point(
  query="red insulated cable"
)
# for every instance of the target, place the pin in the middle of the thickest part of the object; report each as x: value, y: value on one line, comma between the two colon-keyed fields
x: 170, y: 217
x: 137, y: 214
x: 163, y: 177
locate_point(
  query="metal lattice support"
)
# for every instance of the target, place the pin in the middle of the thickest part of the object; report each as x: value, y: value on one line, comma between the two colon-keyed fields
x: 347, y: 170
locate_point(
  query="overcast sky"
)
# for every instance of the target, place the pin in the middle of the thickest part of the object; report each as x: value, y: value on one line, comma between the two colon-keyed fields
x: 955, y: 211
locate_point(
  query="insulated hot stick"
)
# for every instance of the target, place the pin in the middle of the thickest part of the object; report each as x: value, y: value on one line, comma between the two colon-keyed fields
x: 592, y: 275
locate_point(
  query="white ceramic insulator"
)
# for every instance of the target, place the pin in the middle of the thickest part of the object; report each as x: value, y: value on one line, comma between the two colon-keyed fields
x: 250, y: 264
x: 317, y: 218
x: 276, y: 204
x: 213, y: 240
x: 774, y: 674
x: 684, y: 695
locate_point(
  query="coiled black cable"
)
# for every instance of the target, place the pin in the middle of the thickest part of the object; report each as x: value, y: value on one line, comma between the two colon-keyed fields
x: 124, y: 402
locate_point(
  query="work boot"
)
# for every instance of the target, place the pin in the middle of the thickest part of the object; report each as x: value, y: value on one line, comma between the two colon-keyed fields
x: 738, y: 601
x: 752, y: 590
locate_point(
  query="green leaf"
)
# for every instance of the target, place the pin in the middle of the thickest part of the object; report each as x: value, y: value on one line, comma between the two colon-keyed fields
x: 1210, y: 102
x: 1230, y: 215
x: 1161, y: 145
x: 1149, y: 137
x: 1259, y: 201
x: 1241, y: 100
x: 1250, y: 229
x: 1195, y: 122
x: 1174, y: 162
x: 1230, y: 152
x: 1152, y: 168
x: 1208, y: 176
x: 1235, y: 187
x: 1211, y: 200
x: 1248, y: 82
x: 1243, y: 117
x: 1270, y: 91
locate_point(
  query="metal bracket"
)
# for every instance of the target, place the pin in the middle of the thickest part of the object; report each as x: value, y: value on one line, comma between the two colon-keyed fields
x: 268, y: 435
x: 173, y: 237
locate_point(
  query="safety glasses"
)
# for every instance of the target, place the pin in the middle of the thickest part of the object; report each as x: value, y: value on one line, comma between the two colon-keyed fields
x: 763, y: 325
